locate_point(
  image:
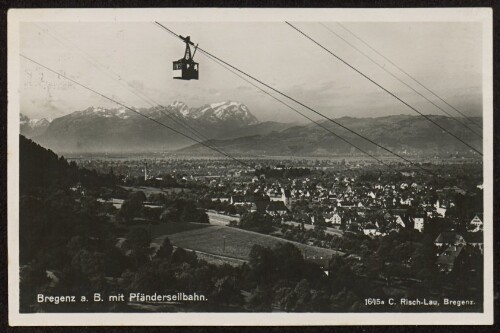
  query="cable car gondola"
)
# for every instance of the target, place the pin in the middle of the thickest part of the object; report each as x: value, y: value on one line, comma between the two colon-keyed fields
x: 187, y: 67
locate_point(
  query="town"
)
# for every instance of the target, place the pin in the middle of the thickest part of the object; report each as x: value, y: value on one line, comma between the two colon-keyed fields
x: 367, y: 229
x: 325, y: 203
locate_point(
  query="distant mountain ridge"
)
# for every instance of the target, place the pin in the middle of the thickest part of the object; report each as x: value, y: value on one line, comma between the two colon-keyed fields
x: 407, y: 135
x: 233, y: 127
x: 98, y: 129
x: 33, y: 127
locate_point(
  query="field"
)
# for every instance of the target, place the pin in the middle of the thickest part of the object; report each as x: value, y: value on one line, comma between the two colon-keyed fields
x: 149, y: 190
x: 224, y: 241
x: 174, y: 227
x: 221, y: 219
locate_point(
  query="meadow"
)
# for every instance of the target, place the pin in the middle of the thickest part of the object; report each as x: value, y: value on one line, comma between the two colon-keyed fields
x: 226, y: 241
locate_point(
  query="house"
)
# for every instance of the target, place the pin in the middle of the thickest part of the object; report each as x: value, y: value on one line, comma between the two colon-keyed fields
x: 453, y: 190
x: 336, y: 219
x: 221, y: 199
x: 406, y: 202
x: 347, y: 204
x: 477, y: 223
x: 474, y: 239
x: 449, y: 238
x: 446, y: 260
x: 370, y: 230
x: 258, y: 206
x: 418, y: 223
x: 276, y: 208
x: 286, y: 197
x: 239, y: 200
x: 399, y: 221
x: 333, y: 218
x: 322, y: 262
x: 441, y: 210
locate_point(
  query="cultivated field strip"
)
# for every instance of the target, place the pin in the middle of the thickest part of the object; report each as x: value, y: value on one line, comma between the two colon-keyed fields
x: 235, y: 243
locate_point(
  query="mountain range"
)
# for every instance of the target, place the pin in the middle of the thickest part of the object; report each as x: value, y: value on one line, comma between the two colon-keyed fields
x: 404, y: 134
x: 98, y: 129
x: 231, y: 126
x: 33, y: 127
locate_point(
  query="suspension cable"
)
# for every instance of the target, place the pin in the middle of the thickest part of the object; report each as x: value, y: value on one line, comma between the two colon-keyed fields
x: 302, y: 104
x: 383, y: 88
x: 410, y: 76
x: 401, y: 81
x: 135, y: 111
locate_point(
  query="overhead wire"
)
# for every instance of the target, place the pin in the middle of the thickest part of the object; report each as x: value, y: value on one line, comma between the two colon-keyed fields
x: 135, y: 111
x: 109, y: 72
x: 409, y: 75
x: 291, y: 107
x: 400, y: 80
x: 302, y: 104
x: 383, y: 88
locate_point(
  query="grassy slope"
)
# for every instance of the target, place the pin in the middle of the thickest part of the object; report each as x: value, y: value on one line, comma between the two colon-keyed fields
x: 238, y: 242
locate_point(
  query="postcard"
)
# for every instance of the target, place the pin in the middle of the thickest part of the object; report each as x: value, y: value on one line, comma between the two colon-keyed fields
x: 202, y: 167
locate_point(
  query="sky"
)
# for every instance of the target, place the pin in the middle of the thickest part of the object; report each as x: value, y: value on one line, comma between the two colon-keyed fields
x: 123, y: 60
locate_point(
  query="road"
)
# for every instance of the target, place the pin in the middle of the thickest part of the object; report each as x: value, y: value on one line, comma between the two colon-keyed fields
x: 223, y: 220
x: 331, y: 231
x: 220, y: 219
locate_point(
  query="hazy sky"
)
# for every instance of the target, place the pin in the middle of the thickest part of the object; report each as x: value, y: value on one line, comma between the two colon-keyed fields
x: 111, y: 57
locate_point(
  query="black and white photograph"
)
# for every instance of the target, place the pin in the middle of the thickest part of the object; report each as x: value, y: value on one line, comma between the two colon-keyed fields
x: 250, y: 166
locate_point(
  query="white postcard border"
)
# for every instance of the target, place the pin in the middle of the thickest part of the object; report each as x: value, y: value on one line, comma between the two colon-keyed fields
x: 16, y: 16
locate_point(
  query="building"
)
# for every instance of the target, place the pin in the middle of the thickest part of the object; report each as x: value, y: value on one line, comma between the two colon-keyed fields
x: 446, y: 260
x: 336, y: 219
x: 418, y: 223
x: 477, y: 223
x: 474, y: 239
x: 440, y: 209
x: 322, y: 262
x: 286, y: 197
x: 276, y: 208
x: 400, y: 221
x: 239, y: 200
x: 449, y: 238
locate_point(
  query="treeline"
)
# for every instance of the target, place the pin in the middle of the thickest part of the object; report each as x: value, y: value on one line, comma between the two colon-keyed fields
x: 170, y: 208
x: 42, y: 168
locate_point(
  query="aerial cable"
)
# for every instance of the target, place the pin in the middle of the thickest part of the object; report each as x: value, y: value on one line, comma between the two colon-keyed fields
x: 401, y: 81
x: 410, y: 76
x: 302, y: 104
x: 135, y: 111
x: 109, y: 72
x: 381, y: 87
x: 292, y: 108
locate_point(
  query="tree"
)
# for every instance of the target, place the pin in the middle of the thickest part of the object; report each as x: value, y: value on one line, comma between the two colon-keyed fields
x: 227, y: 290
x: 257, y: 222
x: 88, y: 263
x: 303, y: 292
x: 130, y: 209
x: 165, y: 250
x: 138, y: 238
x: 261, y: 299
x: 262, y: 264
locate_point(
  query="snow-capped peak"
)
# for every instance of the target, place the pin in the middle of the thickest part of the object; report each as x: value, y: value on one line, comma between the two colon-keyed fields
x: 181, y: 107
x: 235, y: 112
x: 216, y: 105
x: 33, y: 123
x: 103, y: 112
x: 228, y: 112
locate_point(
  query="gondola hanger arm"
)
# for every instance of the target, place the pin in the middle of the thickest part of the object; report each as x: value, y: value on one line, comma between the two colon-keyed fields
x: 194, y: 52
